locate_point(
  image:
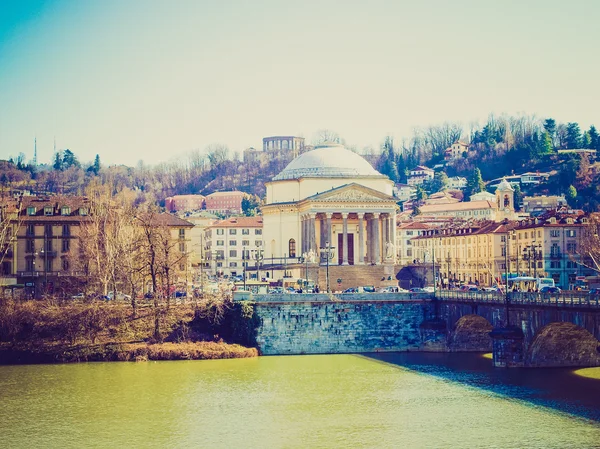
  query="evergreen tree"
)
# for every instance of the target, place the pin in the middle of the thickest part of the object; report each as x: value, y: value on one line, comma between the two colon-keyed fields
x: 594, y: 138
x: 58, y: 161
x: 475, y: 183
x: 388, y: 166
x: 518, y: 197
x: 546, y: 145
x: 96, y: 166
x: 69, y: 159
x: 550, y: 126
x: 573, y: 136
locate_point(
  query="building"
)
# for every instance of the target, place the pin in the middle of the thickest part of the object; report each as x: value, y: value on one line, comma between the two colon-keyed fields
x: 232, y: 242
x: 47, y: 246
x: 420, y: 174
x: 456, y: 150
x: 330, y: 203
x: 200, y: 220
x: 531, y: 178
x: 405, y: 233
x: 227, y: 203
x: 255, y: 156
x: 483, y: 196
x: 184, y: 203
x: 487, y: 252
x: 404, y: 192
x: 536, y: 205
x: 286, y: 144
x: 457, y: 182
x: 498, y: 210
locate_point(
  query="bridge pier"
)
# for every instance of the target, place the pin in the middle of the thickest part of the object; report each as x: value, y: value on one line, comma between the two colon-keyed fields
x: 434, y: 335
x: 507, y: 347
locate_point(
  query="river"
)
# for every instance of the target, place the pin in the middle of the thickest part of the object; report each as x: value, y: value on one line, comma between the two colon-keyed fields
x: 401, y: 400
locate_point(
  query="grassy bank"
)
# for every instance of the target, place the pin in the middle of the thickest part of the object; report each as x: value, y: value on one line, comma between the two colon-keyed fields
x: 51, y: 331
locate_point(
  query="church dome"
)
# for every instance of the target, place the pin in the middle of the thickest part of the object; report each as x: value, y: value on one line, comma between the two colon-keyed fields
x: 328, y: 161
x: 504, y: 186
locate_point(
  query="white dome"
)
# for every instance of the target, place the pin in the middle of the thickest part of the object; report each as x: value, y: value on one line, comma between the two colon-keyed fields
x: 328, y: 161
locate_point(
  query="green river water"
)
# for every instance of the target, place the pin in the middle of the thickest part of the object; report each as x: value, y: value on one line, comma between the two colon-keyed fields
x: 328, y: 401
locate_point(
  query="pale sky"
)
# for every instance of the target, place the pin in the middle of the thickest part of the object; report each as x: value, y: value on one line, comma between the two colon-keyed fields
x: 154, y: 79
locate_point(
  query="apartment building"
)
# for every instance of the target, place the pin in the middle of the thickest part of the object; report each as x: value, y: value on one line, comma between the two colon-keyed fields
x: 225, y: 202
x: 232, y: 242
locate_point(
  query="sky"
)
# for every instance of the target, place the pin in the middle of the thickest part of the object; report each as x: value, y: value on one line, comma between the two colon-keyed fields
x: 152, y: 80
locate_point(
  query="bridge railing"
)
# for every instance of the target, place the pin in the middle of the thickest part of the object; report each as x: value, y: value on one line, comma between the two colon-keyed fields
x: 567, y: 299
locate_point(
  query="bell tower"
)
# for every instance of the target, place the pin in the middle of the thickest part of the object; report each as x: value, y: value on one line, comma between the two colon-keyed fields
x: 505, y: 197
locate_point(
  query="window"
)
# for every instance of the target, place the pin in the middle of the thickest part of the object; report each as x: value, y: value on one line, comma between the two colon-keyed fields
x: 181, y: 267
x: 182, y: 233
x: 258, y: 243
x: 258, y: 232
x: 66, y: 230
x: 31, y: 210
x: 83, y: 211
x: 571, y: 247
x: 504, y: 251
x: 30, y: 266
x: 49, y: 265
x: 554, y: 233
x: 245, y: 242
x: 409, y: 252
x: 30, y: 246
x: 182, y: 247
x: 232, y: 264
x: 220, y: 254
x: 503, y: 238
x: 409, y: 233
x: 292, y: 248
x: 555, y: 264
x: 233, y: 253
x: 48, y: 230
x: 65, y: 264
x: 540, y: 264
x: 540, y: 234
x: 220, y: 231
x: 245, y: 231
x: 233, y: 232
x: 220, y: 242
x: 65, y: 210
x: 30, y: 231
x: 48, y: 210
x: 66, y: 245
x: 571, y: 264
x: 232, y: 242
x: 570, y: 232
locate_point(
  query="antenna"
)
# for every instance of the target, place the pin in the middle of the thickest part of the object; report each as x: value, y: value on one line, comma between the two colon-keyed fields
x: 55, y: 144
x: 35, y: 151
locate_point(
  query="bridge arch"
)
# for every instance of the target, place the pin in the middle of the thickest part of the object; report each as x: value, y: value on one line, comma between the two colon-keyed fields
x: 563, y: 344
x: 471, y: 333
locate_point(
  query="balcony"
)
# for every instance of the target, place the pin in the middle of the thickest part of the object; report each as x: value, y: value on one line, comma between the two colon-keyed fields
x: 556, y: 255
x: 43, y: 254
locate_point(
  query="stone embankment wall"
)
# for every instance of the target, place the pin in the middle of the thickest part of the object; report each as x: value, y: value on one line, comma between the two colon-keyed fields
x: 314, y: 324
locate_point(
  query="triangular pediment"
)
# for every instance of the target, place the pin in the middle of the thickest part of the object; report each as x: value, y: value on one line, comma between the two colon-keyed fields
x: 352, y: 193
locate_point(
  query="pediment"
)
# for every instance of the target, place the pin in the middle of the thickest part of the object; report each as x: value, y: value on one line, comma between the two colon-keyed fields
x: 352, y: 193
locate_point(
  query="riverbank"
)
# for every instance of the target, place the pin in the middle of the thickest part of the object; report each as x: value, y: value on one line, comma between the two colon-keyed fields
x: 52, y: 331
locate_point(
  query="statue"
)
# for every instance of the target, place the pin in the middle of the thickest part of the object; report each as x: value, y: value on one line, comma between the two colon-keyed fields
x: 390, y: 250
x: 311, y: 256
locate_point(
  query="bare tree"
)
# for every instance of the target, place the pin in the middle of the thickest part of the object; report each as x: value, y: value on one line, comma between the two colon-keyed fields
x: 589, y: 244
x: 326, y: 135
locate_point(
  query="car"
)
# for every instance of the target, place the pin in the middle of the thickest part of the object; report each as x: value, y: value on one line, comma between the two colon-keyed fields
x: 120, y: 296
x: 351, y: 290
x: 417, y: 290
x: 149, y: 295
x: 369, y: 288
x: 549, y: 289
x: 179, y: 294
x: 594, y: 291
x: 78, y: 296
x: 429, y: 289
x: 469, y: 288
x: 492, y: 289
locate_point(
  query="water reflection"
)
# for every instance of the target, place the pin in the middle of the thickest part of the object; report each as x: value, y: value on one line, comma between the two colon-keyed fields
x: 562, y: 389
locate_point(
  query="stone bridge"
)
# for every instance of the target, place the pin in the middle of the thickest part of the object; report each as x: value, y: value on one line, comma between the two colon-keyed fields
x: 529, y: 330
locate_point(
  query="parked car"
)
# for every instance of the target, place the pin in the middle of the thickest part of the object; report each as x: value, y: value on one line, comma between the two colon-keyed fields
x: 120, y: 296
x: 351, y: 290
x: 492, y: 289
x: 549, y: 289
x: 594, y: 291
x: 428, y: 289
x: 417, y: 290
x: 179, y: 294
x: 469, y: 288
x: 369, y: 288
x: 78, y: 296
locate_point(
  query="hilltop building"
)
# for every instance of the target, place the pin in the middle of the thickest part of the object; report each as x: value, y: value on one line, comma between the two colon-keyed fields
x: 184, y: 203
x: 227, y: 203
x: 456, y: 150
x: 420, y: 174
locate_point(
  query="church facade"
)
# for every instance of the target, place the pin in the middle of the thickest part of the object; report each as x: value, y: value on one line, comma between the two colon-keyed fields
x: 330, y: 203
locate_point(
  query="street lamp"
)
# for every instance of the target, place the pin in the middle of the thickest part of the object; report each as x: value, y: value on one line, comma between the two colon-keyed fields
x: 258, y: 256
x: 328, y: 250
x: 244, y: 265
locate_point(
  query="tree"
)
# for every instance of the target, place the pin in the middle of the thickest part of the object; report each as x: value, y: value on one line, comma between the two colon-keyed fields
x: 251, y: 205
x: 589, y: 247
x: 518, y: 197
x: 58, y: 161
x: 95, y: 167
x: 550, y: 126
x: 420, y: 195
x: 475, y: 183
x: 571, y: 195
x: 388, y: 160
x: 439, y: 182
x: 573, y: 138
x: 69, y: 160
x: 583, y: 176
x: 594, y: 138
x: 326, y: 135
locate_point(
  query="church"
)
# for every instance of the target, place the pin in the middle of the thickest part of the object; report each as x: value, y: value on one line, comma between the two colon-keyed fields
x: 330, y: 203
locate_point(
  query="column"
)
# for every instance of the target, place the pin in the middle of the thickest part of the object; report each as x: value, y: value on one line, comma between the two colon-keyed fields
x: 393, y: 240
x: 312, y: 233
x: 376, y: 239
x: 304, y: 235
x: 345, y: 239
x: 328, y: 230
x: 361, y: 239
x: 369, y: 223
